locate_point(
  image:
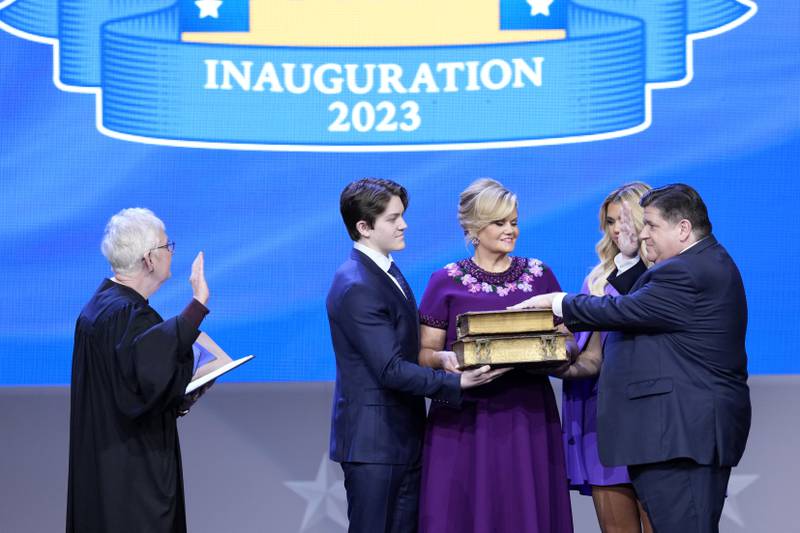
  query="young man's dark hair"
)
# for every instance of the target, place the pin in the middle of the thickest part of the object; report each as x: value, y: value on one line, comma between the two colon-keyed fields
x: 677, y: 202
x: 366, y: 199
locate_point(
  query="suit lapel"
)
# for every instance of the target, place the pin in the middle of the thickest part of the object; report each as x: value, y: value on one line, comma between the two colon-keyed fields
x: 384, y: 280
x: 707, y: 242
x: 410, y: 300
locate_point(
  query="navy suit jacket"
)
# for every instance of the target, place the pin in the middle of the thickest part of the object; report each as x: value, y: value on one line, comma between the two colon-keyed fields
x: 674, y: 376
x: 378, y: 404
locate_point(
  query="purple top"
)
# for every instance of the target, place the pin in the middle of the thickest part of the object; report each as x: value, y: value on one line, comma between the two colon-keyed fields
x: 496, y: 463
x: 464, y: 286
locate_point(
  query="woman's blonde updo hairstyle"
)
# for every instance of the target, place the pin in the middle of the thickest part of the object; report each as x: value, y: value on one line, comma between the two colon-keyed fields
x: 483, y: 202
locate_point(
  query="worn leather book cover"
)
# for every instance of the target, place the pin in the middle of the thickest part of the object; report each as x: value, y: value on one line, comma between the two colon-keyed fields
x: 504, y: 322
x: 545, y: 350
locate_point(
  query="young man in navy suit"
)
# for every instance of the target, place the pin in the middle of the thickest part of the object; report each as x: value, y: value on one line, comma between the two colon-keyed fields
x: 378, y: 405
x: 674, y: 405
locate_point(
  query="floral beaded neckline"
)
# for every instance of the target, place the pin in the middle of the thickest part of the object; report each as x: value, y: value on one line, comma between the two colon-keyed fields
x: 518, y: 277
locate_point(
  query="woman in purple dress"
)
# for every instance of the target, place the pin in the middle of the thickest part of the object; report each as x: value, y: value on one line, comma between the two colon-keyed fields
x: 619, y: 250
x: 496, y: 464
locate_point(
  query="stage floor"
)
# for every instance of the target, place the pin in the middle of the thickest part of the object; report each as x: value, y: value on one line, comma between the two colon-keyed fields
x: 255, y: 461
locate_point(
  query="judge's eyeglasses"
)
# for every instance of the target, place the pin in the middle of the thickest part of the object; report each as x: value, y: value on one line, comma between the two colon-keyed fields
x: 170, y: 245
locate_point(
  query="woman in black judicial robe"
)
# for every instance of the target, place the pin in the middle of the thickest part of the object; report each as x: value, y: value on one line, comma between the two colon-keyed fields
x: 129, y: 372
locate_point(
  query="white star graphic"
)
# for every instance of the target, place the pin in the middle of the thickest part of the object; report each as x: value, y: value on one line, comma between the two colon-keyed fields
x: 325, y: 496
x: 208, y: 8
x: 736, y: 485
x: 540, y: 7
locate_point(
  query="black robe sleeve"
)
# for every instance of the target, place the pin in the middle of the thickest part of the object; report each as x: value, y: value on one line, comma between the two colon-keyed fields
x: 154, y: 361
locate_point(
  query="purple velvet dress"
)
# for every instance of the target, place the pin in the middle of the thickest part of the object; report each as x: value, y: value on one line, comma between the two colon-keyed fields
x: 579, y: 418
x: 496, y: 464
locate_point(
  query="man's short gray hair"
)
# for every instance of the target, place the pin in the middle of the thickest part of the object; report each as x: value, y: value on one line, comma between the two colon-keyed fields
x: 129, y: 235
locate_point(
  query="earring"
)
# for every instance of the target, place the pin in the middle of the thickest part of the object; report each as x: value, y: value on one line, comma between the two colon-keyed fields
x: 475, y: 241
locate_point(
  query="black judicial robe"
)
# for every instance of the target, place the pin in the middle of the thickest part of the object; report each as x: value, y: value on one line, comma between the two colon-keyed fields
x: 129, y: 372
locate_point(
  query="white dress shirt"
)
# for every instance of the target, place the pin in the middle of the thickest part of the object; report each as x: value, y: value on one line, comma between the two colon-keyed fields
x: 383, y: 261
x: 695, y: 242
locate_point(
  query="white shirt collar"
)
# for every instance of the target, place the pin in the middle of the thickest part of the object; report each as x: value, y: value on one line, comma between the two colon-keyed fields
x: 378, y: 258
x: 695, y: 242
x: 623, y: 263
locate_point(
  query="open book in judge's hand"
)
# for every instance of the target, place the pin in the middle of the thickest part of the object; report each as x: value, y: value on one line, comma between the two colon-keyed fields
x: 210, y: 362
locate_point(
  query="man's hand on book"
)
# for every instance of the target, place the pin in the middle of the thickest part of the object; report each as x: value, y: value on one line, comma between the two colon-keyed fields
x: 540, y: 301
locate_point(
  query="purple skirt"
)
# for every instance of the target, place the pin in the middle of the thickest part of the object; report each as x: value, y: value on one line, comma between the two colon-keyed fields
x: 496, y: 464
x: 579, y: 414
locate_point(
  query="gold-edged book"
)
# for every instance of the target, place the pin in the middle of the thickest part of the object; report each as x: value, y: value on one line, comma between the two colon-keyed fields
x: 542, y: 350
x: 504, y: 322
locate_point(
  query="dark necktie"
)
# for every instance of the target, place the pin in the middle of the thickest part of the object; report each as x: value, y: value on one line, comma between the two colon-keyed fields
x: 396, y: 274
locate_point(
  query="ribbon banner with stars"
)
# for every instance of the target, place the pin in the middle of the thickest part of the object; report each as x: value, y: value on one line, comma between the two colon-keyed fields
x: 153, y: 86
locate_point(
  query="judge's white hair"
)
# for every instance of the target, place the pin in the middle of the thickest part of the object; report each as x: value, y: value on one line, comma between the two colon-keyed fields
x: 129, y: 235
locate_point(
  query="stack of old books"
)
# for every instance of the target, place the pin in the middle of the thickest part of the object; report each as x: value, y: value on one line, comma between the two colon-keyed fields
x: 509, y: 338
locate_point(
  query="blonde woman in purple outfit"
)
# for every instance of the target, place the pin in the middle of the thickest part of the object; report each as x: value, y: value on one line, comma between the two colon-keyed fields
x: 622, y: 259
x: 496, y: 463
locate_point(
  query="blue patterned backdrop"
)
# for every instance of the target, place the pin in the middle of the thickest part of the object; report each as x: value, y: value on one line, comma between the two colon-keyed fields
x: 269, y: 223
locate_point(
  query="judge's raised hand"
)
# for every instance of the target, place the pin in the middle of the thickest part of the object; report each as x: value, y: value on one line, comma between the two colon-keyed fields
x: 480, y: 376
x: 198, y: 280
x: 628, y: 241
x: 540, y: 301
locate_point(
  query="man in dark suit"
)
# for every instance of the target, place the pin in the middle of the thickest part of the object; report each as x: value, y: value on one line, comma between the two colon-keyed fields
x: 378, y: 404
x: 674, y: 405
